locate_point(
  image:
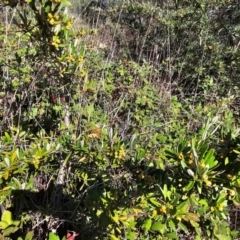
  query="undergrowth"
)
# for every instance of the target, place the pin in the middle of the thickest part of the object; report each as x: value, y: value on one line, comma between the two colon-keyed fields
x: 121, y: 123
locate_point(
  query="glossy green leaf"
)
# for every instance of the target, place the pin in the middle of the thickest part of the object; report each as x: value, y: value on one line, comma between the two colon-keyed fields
x: 164, y: 191
x: 171, y: 153
x: 171, y: 235
x: 3, y: 224
x: 8, y: 137
x: 9, y: 230
x: 53, y: 236
x: 194, y: 224
x: 210, y: 159
x: 172, y: 225
x: 236, y: 151
x: 16, y: 222
x: 29, y: 235
x: 7, y: 161
x: 199, y: 187
x: 157, y: 226
x: 154, y: 202
x: 147, y: 224
x: 113, y: 237
x: 203, y: 202
x: 66, y: 3
x: 189, y: 186
x: 221, y: 197
x: 183, y: 207
x: 182, y: 226
x: 7, y: 217
x: 223, y: 236
x: 234, y: 233
x: 115, y: 218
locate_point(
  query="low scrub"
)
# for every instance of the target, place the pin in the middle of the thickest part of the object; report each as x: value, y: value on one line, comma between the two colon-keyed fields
x: 106, y: 149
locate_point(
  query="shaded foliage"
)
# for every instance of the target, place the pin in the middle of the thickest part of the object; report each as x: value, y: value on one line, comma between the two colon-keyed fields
x: 120, y: 125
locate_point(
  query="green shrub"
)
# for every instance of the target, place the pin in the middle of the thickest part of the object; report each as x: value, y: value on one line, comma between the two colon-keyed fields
x: 108, y: 148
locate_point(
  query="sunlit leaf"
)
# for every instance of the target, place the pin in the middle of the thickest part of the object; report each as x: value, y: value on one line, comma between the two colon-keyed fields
x: 155, y: 202
x: 171, y: 235
x: 192, y: 216
x: 3, y: 224
x: 9, y: 230
x: 7, y: 161
x: 172, y: 225
x: 66, y: 3
x: 182, y: 226
x: 158, y: 226
x: 53, y: 236
x: 115, y: 218
x: 112, y: 237
x: 7, y: 217
x: 6, y: 175
x: 147, y: 224
x: 29, y: 235
x: 14, y: 155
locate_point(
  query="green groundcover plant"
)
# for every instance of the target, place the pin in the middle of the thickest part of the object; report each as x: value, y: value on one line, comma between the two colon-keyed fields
x: 102, y: 149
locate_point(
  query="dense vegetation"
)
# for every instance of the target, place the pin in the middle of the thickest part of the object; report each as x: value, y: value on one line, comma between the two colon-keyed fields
x: 119, y: 119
